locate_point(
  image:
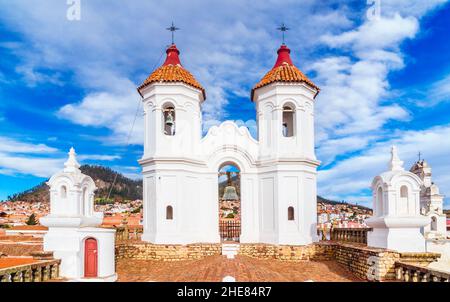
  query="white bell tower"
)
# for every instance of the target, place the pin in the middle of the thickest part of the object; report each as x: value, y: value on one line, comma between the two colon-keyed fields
x: 172, y: 100
x: 284, y: 100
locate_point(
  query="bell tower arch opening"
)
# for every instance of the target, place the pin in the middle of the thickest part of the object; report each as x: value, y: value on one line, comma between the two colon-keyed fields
x: 229, y: 202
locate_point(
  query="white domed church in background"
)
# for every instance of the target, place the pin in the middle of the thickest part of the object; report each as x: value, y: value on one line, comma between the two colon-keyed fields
x: 180, y: 167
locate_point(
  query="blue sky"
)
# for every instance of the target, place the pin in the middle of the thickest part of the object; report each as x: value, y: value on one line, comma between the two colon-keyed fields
x: 68, y: 83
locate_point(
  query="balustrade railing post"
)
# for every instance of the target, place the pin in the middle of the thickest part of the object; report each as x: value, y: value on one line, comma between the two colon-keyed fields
x: 399, y: 273
x: 27, y: 275
x: 44, y: 273
x: 37, y: 275
x: 36, y: 272
x: 57, y: 270
x: 15, y: 277
x: 415, y: 277
x: 406, y: 276
x: 415, y: 273
x: 6, y: 278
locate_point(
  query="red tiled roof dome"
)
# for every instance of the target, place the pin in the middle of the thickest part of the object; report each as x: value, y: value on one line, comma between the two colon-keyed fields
x: 284, y: 71
x: 172, y: 71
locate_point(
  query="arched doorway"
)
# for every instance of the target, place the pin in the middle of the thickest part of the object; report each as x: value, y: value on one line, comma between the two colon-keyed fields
x: 90, y: 258
x: 229, y: 202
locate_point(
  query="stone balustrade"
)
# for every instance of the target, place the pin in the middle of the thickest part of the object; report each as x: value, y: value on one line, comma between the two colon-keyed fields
x: 41, y: 271
x: 357, y: 235
x: 414, y: 273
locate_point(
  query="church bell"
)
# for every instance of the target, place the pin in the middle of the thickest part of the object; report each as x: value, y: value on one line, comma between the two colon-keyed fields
x: 169, y: 119
x: 230, y: 191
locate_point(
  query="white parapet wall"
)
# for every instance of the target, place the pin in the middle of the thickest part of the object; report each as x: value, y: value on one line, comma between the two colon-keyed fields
x: 440, y: 246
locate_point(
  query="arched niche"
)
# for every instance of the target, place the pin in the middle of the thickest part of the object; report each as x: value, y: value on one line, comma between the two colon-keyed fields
x: 380, y: 201
x: 169, y: 118
x: 169, y: 213
x: 291, y: 213
x: 289, y: 120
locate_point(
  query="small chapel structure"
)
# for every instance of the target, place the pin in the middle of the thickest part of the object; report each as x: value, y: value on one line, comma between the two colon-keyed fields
x: 398, y: 222
x: 180, y: 167
x: 74, y: 236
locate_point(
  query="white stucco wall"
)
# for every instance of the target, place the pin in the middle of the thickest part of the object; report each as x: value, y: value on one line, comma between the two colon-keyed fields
x: 67, y: 244
x: 182, y: 170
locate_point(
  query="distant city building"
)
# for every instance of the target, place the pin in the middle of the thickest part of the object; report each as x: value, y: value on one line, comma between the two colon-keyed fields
x: 431, y: 202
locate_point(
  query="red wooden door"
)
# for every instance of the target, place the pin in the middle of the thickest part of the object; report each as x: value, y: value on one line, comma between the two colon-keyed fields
x: 90, y: 258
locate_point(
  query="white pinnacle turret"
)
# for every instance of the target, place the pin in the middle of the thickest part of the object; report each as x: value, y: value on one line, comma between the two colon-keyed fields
x: 395, y: 164
x: 71, y: 165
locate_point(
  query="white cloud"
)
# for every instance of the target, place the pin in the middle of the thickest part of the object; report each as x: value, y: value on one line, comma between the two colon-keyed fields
x: 115, y: 111
x: 408, y: 7
x: 439, y: 92
x: 98, y: 157
x: 222, y: 47
x: 386, y: 32
x: 41, y: 167
x: 14, y: 146
x: 351, y: 176
x: 331, y: 148
x: 17, y: 157
x: 355, y: 102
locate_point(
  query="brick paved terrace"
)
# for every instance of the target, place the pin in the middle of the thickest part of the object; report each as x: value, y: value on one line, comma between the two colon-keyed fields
x: 243, y: 268
x: 20, y: 245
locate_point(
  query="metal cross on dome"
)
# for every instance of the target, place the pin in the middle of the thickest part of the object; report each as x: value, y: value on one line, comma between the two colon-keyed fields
x: 172, y: 29
x: 283, y: 29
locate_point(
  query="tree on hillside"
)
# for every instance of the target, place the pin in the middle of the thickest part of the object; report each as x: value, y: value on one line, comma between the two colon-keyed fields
x: 31, y: 220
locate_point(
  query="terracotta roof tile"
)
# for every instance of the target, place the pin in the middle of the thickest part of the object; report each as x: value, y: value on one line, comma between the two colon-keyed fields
x: 29, y: 228
x: 284, y: 71
x: 172, y: 71
x: 11, y: 262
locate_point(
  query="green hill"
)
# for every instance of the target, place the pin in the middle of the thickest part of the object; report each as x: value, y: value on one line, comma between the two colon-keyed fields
x: 124, y: 188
